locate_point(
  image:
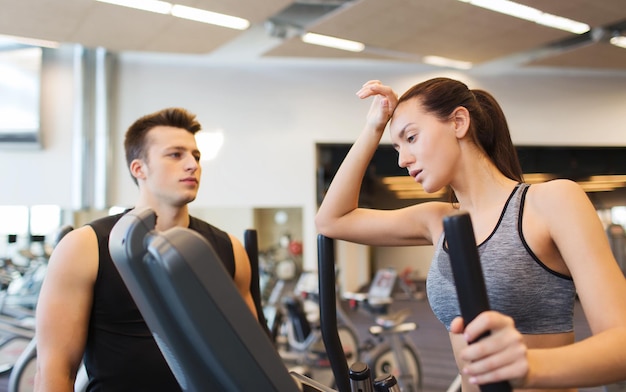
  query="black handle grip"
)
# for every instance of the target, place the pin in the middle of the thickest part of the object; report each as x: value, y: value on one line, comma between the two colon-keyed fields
x: 328, y: 312
x: 468, y: 276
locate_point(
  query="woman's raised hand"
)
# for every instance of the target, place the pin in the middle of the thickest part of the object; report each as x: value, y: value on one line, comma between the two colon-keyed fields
x: 385, y: 101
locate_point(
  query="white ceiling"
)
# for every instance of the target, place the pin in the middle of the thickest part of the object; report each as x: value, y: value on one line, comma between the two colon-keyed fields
x: 404, y: 30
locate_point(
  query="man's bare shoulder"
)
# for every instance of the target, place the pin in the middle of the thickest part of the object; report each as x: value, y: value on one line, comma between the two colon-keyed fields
x: 78, y: 250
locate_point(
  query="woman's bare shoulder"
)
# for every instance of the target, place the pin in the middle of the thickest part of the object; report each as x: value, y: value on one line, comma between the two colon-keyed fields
x: 555, y: 193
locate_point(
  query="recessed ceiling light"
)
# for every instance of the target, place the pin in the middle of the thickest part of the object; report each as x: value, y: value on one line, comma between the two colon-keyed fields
x: 181, y: 11
x: 160, y: 7
x: 531, y: 14
x: 29, y: 41
x: 333, y: 42
x: 209, y: 17
x: 445, y: 62
x: 619, y: 41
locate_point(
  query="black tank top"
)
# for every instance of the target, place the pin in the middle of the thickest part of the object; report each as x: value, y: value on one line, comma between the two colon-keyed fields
x: 120, y: 353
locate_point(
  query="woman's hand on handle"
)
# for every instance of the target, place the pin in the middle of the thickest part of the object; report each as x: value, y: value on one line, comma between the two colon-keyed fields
x: 500, y: 356
x: 383, y: 105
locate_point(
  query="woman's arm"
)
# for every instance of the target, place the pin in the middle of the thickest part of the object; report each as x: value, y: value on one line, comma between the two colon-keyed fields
x: 578, y: 236
x: 339, y: 215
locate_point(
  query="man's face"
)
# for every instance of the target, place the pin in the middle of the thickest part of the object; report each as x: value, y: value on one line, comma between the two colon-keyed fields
x: 171, y: 170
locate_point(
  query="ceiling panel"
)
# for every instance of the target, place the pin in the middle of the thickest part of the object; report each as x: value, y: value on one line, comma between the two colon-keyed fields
x: 253, y: 10
x: 596, y: 56
x: 52, y: 20
x: 93, y: 24
x: 592, y: 12
x: 399, y: 30
x: 116, y: 28
x: 445, y: 28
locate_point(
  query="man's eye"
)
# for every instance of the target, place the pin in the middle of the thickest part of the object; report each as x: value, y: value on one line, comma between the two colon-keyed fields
x: 411, y: 138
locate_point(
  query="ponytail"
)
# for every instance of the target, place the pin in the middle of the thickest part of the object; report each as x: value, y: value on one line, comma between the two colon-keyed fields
x: 491, y: 132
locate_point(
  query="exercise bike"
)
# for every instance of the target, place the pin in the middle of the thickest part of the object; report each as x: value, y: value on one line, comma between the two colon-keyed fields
x: 391, y: 351
x: 301, y: 341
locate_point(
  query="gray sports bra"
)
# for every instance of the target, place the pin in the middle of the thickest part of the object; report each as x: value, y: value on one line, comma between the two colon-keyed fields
x: 540, y: 300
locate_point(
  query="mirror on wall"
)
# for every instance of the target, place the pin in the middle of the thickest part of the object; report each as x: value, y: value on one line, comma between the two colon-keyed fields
x: 20, y: 85
x: 601, y: 172
x: 279, y: 231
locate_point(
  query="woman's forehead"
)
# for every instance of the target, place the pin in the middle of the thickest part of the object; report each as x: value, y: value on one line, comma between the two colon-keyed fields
x: 405, y: 112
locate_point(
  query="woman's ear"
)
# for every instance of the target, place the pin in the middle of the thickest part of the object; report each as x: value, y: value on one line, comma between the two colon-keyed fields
x: 461, y: 119
x: 137, y: 169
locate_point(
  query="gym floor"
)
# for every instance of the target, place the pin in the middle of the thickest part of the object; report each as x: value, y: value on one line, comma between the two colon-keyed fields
x: 431, y: 339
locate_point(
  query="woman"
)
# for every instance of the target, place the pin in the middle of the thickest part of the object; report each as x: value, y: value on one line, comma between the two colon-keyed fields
x: 536, y: 242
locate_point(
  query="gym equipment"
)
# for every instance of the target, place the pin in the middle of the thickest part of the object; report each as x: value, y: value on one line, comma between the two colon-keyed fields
x: 204, y: 329
x: 360, y: 377
x: 22, y: 377
x: 251, y: 244
x: 468, y: 276
x: 393, y: 352
x: 207, y: 335
x: 617, y: 241
x: 304, y: 345
x: 23, y: 371
x: 328, y: 312
x: 328, y: 320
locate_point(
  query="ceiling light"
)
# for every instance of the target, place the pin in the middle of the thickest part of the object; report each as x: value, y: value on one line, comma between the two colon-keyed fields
x: 597, y: 187
x: 412, y: 186
x: 531, y: 14
x: 160, y: 7
x: 29, y: 41
x: 209, y: 17
x: 209, y: 143
x: 181, y: 11
x: 420, y: 194
x: 444, y: 62
x: 397, y: 180
x: 619, y: 41
x: 536, y: 178
x: 507, y: 7
x: 332, y: 42
x: 405, y: 187
x: 609, y: 178
x: 561, y: 23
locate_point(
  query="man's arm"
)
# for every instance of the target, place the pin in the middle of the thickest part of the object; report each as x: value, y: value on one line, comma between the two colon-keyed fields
x: 243, y: 273
x: 63, y: 310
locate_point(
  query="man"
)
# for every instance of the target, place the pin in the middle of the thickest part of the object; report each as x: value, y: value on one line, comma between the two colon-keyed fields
x: 85, y: 310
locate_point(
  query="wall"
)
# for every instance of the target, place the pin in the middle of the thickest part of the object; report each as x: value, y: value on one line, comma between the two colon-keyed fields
x: 45, y: 176
x: 274, y: 112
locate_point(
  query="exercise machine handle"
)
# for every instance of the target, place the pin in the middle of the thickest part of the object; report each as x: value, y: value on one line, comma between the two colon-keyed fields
x: 251, y: 245
x: 360, y: 377
x: 468, y: 276
x: 328, y: 312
